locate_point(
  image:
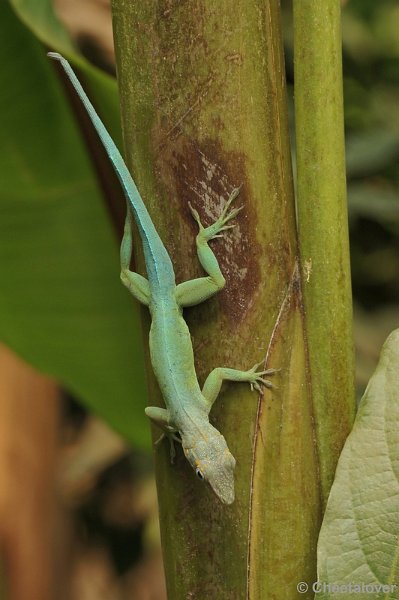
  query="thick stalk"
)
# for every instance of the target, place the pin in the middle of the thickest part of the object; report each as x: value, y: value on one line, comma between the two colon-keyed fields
x: 323, y: 225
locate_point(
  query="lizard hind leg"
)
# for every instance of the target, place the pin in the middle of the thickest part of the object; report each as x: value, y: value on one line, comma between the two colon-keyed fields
x: 160, y: 418
x: 214, y: 381
x: 137, y: 285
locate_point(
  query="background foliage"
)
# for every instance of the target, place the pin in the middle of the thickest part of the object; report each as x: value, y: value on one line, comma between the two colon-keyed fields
x: 371, y: 94
x: 61, y: 304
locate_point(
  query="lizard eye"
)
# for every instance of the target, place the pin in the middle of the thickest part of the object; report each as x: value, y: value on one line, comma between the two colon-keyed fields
x: 199, y: 474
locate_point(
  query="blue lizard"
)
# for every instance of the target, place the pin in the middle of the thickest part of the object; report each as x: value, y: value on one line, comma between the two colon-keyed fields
x: 187, y: 406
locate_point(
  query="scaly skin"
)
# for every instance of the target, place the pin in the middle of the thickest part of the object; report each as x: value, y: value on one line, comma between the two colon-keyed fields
x: 187, y: 406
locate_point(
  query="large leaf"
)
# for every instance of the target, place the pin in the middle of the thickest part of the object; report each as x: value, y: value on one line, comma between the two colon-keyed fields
x: 358, y: 541
x: 62, y: 306
x: 40, y: 17
x: 43, y: 21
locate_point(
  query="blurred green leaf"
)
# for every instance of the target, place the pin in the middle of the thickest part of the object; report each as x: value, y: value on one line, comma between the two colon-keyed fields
x: 41, y: 19
x: 369, y: 152
x: 357, y: 38
x: 385, y: 29
x: 371, y: 329
x: 380, y: 204
x: 359, y: 537
x: 62, y: 306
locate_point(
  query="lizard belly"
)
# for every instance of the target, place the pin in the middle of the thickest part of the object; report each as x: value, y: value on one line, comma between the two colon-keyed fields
x: 172, y: 358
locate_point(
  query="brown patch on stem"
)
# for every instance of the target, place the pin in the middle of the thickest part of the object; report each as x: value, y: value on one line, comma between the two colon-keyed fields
x: 205, y: 175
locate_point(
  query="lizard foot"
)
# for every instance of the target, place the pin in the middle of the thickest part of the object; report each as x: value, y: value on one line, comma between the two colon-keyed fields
x: 172, y: 437
x: 214, y: 230
x: 256, y: 379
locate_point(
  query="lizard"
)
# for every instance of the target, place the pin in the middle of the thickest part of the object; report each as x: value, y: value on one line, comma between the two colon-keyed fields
x: 186, y: 416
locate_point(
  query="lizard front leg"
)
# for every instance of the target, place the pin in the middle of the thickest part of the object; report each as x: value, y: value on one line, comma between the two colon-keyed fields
x: 137, y: 285
x: 161, y: 418
x: 195, y: 291
x: 214, y: 381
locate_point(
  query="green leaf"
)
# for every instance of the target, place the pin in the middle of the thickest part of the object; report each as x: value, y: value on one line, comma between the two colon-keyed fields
x: 370, y: 152
x: 379, y: 203
x: 41, y: 19
x: 62, y: 306
x: 358, y: 541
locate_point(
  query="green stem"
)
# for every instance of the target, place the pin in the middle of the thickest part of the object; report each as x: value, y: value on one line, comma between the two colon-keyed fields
x: 323, y: 225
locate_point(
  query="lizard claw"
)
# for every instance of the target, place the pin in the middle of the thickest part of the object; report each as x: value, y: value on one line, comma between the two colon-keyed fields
x: 196, y: 216
x: 227, y: 216
x: 231, y: 199
x: 227, y: 227
x: 268, y: 372
x: 265, y: 382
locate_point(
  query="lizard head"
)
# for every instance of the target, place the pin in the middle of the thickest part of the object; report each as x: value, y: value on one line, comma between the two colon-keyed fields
x: 212, y: 462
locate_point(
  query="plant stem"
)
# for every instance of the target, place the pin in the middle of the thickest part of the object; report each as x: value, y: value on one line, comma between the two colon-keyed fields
x: 323, y: 225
